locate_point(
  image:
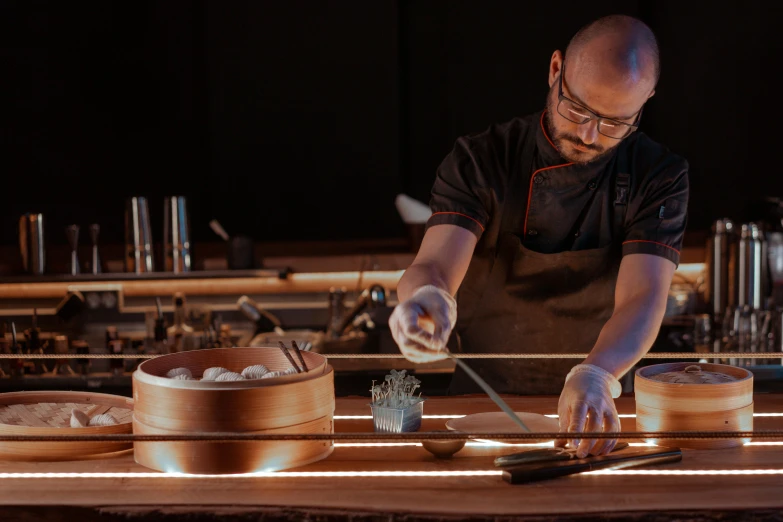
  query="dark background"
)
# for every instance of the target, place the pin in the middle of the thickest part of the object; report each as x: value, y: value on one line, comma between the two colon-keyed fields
x: 302, y: 120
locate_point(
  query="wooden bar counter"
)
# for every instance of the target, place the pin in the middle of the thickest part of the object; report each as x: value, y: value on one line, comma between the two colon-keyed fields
x: 732, y: 484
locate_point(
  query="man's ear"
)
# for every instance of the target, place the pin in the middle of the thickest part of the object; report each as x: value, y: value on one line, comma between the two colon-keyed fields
x: 555, y: 66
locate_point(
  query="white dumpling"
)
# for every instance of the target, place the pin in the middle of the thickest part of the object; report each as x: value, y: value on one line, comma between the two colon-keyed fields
x: 255, y: 372
x: 105, y: 419
x: 211, y: 374
x: 183, y: 377
x: 79, y: 419
x: 271, y: 375
x: 171, y: 374
x: 290, y: 371
x: 230, y: 376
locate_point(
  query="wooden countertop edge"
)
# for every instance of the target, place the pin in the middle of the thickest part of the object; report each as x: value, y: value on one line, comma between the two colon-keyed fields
x: 294, y: 283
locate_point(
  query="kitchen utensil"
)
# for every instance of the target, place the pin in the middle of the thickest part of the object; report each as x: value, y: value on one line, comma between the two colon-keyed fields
x: 489, y: 391
x: 681, y: 406
x: 501, y: 422
x: 296, y: 403
x: 48, y: 413
x: 218, y: 229
x: 31, y: 243
x: 407, y: 419
x: 544, y: 455
x: 751, y: 267
x: 95, y: 229
x: 443, y: 449
x: 176, y: 235
x: 533, y: 473
x: 72, y: 233
x: 719, y: 248
x: 138, y: 236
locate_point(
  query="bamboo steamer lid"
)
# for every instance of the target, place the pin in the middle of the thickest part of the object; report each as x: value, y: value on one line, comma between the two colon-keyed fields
x: 297, y: 403
x: 694, y: 397
x: 48, y: 413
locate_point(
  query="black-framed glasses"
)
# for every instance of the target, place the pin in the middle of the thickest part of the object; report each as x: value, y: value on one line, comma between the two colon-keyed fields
x: 579, y: 114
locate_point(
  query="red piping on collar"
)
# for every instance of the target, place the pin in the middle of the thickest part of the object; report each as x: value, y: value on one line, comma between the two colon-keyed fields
x: 545, y: 133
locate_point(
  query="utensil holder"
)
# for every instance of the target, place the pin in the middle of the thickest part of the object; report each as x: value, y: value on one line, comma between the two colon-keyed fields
x: 397, y: 420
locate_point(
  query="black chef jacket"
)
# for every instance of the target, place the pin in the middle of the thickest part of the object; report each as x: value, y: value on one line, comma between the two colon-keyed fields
x: 568, y: 206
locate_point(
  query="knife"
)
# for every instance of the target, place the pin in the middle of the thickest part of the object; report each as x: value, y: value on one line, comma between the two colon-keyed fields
x: 489, y: 391
x: 531, y: 473
x: 543, y: 455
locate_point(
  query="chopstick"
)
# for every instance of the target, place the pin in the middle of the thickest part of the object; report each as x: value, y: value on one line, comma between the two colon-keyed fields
x: 288, y: 356
x: 299, y: 355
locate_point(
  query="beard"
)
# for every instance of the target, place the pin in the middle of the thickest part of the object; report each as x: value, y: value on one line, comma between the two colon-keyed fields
x: 564, y: 141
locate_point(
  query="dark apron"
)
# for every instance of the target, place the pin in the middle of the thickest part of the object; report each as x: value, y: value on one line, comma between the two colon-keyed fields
x: 520, y: 301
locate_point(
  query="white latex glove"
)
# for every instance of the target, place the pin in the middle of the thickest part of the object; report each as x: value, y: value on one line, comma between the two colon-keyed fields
x: 428, y: 304
x: 586, y: 404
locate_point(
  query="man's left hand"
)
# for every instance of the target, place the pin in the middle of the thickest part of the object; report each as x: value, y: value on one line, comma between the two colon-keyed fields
x: 587, y: 405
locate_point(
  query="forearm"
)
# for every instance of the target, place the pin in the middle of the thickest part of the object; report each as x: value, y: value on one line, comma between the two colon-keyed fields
x: 418, y: 275
x: 628, y: 334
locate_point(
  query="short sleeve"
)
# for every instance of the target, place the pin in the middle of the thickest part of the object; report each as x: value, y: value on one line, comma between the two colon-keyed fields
x: 657, y: 214
x: 459, y: 192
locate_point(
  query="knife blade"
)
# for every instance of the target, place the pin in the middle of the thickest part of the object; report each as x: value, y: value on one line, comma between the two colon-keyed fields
x: 489, y: 391
x: 543, y: 455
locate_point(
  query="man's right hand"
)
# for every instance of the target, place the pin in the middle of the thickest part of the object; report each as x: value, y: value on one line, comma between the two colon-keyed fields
x: 428, y: 304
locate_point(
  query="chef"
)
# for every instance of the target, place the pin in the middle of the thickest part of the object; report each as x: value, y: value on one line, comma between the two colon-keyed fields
x: 558, y: 232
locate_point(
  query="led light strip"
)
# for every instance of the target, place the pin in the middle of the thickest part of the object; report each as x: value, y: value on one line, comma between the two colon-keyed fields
x: 261, y: 474
x: 550, y: 415
x: 381, y: 474
x: 687, y: 472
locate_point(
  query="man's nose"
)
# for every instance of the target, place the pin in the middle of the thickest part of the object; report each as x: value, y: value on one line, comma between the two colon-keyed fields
x: 588, y: 132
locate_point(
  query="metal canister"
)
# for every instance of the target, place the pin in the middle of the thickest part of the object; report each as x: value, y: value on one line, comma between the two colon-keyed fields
x: 718, y: 259
x: 751, y: 267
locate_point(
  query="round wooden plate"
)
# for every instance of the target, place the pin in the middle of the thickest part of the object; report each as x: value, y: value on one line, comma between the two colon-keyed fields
x: 499, y: 422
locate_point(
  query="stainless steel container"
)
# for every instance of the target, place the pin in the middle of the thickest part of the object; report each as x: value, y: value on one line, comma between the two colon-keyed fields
x: 138, y: 236
x: 176, y: 235
x: 752, y: 280
x: 397, y: 420
x: 31, y: 243
x: 719, y: 275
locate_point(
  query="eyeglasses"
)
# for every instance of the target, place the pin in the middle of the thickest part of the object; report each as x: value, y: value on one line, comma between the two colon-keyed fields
x: 579, y: 114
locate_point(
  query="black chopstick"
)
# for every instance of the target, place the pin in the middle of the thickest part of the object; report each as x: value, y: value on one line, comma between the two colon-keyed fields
x: 299, y: 355
x: 288, y: 356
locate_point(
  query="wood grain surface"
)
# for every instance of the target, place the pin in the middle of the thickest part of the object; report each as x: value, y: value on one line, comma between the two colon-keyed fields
x: 447, y: 496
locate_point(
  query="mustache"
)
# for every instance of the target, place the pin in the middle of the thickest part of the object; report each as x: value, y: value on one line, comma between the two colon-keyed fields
x: 576, y: 141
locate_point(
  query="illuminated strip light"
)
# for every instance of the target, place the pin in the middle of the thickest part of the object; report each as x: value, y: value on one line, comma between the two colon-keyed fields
x: 764, y: 444
x: 260, y: 474
x: 374, y: 444
x: 381, y: 474
x: 362, y: 417
x: 686, y: 472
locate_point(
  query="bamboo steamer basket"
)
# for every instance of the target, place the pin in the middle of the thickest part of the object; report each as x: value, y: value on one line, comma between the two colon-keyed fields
x: 667, y: 406
x: 297, y: 403
x: 48, y: 413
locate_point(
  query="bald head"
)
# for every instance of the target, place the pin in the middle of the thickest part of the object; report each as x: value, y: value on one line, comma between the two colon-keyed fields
x: 617, y: 45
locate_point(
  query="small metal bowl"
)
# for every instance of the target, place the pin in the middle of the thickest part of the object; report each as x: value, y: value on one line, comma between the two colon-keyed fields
x: 444, y: 449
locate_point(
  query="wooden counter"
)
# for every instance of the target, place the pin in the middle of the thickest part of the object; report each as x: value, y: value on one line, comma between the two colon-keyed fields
x: 36, y: 489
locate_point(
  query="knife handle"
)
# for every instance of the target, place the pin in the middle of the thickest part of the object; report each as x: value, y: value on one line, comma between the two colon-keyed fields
x: 533, y: 473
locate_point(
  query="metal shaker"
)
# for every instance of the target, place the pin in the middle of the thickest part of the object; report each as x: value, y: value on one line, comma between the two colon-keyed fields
x: 752, y: 279
x: 176, y: 235
x: 718, y: 256
x: 138, y: 236
x: 31, y: 243
x: 72, y: 233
